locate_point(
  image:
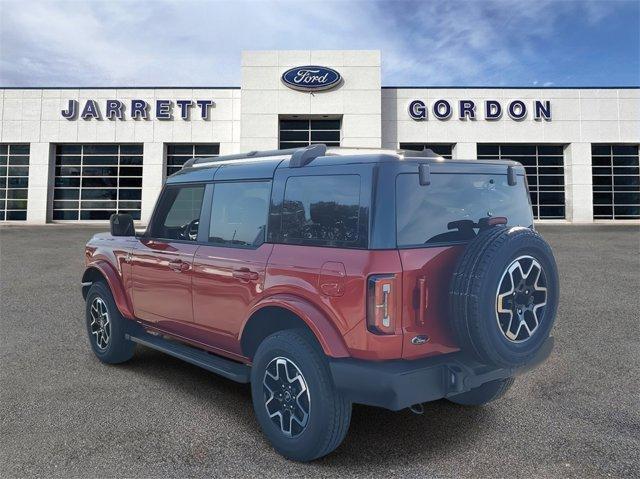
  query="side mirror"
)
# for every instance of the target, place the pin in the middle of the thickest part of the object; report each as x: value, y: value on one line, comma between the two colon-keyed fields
x: 122, y: 225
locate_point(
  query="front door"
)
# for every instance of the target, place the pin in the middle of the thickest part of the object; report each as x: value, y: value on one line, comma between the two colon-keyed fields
x: 228, y: 272
x: 163, y: 259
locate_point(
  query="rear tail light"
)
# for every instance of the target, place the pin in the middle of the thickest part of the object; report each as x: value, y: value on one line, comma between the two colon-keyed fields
x: 381, y: 303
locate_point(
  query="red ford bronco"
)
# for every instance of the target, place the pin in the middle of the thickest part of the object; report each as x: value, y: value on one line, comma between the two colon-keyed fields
x: 331, y: 277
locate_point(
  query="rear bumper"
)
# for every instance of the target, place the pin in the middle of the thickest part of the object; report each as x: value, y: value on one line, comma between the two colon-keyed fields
x: 399, y: 384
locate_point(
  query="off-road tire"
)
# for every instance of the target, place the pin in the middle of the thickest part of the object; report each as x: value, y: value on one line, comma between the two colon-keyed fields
x: 473, y: 295
x: 118, y: 349
x: 329, y: 413
x: 484, y: 394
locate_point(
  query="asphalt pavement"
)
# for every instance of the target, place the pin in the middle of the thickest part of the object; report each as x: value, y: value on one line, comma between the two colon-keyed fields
x: 64, y: 414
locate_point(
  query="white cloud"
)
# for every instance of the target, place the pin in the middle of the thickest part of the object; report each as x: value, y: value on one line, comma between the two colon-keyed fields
x: 198, y: 43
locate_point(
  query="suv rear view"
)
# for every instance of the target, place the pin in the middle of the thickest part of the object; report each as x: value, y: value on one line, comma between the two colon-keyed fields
x: 326, y: 278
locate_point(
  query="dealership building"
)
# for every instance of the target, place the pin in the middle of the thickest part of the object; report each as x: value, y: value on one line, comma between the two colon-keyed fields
x: 80, y: 154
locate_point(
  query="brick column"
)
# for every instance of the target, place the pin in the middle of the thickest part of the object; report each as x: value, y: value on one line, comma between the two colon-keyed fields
x: 153, y: 174
x: 578, y: 183
x: 41, y: 178
x: 465, y: 151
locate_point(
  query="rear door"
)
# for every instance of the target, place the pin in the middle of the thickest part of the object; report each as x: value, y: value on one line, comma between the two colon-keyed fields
x: 434, y: 223
x: 229, y: 269
x: 163, y: 259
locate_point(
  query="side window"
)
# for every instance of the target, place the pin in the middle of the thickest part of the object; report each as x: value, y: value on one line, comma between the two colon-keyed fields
x: 239, y: 213
x: 323, y: 211
x: 179, y: 213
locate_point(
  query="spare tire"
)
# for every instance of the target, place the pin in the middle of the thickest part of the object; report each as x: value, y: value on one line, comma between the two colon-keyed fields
x: 504, y: 296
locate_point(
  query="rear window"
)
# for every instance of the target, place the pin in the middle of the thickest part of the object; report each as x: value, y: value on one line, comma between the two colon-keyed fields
x: 323, y: 211
x: 454, y: 207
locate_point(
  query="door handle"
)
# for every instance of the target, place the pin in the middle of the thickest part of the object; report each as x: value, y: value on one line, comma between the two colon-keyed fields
x: 178, y: 265
x: 423, y: 302
x: 245, y: 274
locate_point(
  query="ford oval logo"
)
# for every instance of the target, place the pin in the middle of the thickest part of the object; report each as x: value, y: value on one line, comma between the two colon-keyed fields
x: 311, y: 78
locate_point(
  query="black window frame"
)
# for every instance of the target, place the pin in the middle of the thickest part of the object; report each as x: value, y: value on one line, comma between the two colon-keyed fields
x: 607, y: 177
x: 308, y: 131
x: 157, y: 215
x: 205, y: 225
x: 274, y: 227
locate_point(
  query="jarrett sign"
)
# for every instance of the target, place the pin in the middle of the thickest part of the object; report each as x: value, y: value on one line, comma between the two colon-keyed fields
x: 489, y: 110
x: 137, y: 109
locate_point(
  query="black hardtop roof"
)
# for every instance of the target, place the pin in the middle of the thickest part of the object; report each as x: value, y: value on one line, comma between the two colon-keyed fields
x: 263, y: 164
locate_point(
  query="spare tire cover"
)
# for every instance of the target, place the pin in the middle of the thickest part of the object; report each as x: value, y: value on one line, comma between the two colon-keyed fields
x: 504, y: 296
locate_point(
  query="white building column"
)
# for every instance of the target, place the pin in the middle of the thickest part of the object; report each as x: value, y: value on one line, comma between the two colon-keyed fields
x: 578, y: 183
x: 40, y: 182
x: 465, y: 151
x: 153, y: 173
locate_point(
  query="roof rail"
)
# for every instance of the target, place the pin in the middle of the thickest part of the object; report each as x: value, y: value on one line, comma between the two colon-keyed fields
x: 301, y: 156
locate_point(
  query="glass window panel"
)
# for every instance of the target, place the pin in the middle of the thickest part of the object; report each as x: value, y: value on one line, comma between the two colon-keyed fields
x: 325, y: 124
x: 99, y: 171
x: 98, y: 205
x: 130, y: 194
x: 65, y: 214
x: 130, y: 182
x: 129, y: 204
x: 16, y: 204
x: 131, y: 160
x: 284, y: 145
x: 4, y: 149
x: 325, y: 136
x: 617, y: 170
x: 131, y: 149
x: 603, y: 198
x: 309, y: 218
x: 3, y: 160
x: 550, y: 160
x: 69, y: 182
x: 213, y: 149
x: 18, y: 171
x: 627, y: 198
x: 556, y: 212
x: 15, y: 194
x: 624, y: 150
x: 294, y: 125
x: 18, y: 149
x: 239, y: 213
x: 601, y: 161
x: 3, y: 193
x: 630, y: 180
x: 489, y: 150
x: 16, y: 215
x: 625, y: 161
x: 100, y: 182
x: 516, y: 149
x: 100, y: 160
x: 17, y: 182
x: 68, y: 160
x: 66, y: 205
x: 99, y: 149
x: 68, y: 149
x: 99, y: 194
x: 130, y: 171
x: 630, y: 211
x: 95, y: 214
x: 177, y: 149
x: 179, y: 213
x: 294, y: 136
x: 66, y: 194
x: 551, y: 150
x: 19, y: 160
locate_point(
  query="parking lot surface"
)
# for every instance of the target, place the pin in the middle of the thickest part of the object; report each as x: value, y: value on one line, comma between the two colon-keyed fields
x: 64, y: 414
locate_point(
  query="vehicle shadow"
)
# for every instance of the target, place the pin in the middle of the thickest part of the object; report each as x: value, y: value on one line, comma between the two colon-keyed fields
x: 376, y: 436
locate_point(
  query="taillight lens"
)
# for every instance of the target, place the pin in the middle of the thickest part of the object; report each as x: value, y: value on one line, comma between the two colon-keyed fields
x: 381, y: 303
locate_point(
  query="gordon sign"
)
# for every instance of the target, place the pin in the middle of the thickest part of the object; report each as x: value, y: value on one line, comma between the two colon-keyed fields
x: 491, y: 109
x: 137, y: 109
x: 311, y: 78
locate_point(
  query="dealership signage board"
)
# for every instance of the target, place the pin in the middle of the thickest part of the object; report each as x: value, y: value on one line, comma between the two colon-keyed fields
x: 137, y: 109
x: 311, y: 78
x: 492, y: 110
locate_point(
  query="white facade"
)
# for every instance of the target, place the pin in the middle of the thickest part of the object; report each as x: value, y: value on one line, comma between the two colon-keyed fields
x: 370, y: 115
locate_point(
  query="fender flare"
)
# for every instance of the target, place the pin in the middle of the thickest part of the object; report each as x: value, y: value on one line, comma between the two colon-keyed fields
x: 328, y: 336
x: 115, y: 285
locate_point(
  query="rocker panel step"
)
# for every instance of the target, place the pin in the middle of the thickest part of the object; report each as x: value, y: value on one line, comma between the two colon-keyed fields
x: 238, y: 372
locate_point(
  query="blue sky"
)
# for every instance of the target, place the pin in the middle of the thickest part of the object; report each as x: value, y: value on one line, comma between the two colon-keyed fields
x: 187, y: 43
